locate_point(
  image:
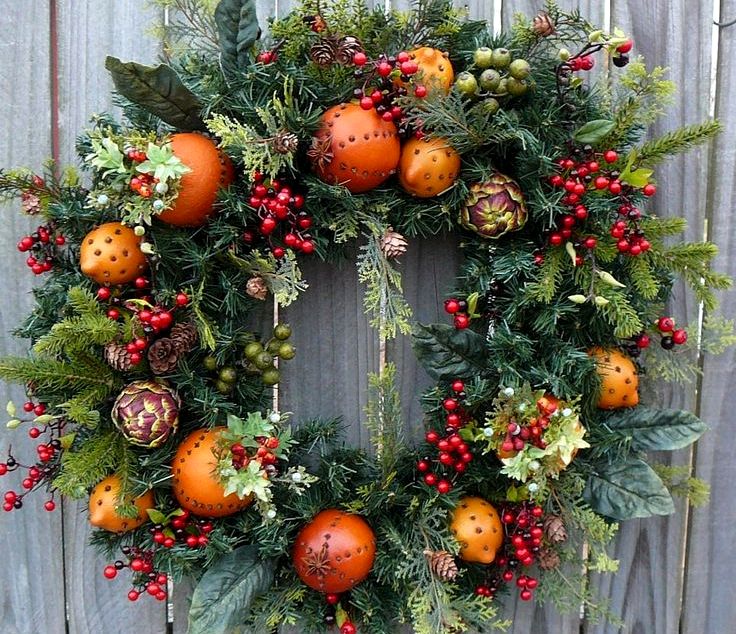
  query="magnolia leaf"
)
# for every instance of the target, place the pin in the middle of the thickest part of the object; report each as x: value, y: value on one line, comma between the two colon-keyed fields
x: 226, y: 591
x: 594, y: 131
x: 159, y: 90
x: 237, y: 28
x: 446, y: 352
x: 629, y: 489
x: 657, y: 429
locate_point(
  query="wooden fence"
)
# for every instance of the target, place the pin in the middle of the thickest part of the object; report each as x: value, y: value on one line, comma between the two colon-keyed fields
x: 677, y: 573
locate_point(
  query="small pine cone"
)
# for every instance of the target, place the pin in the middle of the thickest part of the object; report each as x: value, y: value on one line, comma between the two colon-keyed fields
x: 162, y: 356
x: 393, y: 244
x: 442, y: 564
x: 256, y: 288
x: 285, y: 142
x: 347, y: 47
x: 117, y: 357
x: 323, y: 52
x: 543, y: 25
x: 30, y: 203
x: 554, y: 529
x: 184, y: 336
x: 316, y: 22
x: 548, y: 559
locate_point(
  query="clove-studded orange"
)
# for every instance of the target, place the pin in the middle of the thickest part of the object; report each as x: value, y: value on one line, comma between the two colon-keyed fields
x: 104, y: 500
x: 355, y: 147
x: 477, y: 527
x: 619, y: 379
x: 210, y: 169
x: 428, y: 167
x: 111, y: 254
x: 435, y: 69
x: 195, y: 482
x: 335, y: 551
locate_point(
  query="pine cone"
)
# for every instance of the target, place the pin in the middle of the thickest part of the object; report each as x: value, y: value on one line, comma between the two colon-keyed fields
x: 163, y: 356
x: 442, y: 564
x: 117, y: 357
x: 543, y: 25
x: 184, y: 336
x: 324, y: 51
x: 554, y: 529
x: 30, y: 203
x: 347, y: 47
x: 393, y: 244
x: 256, y: 288
x: 548, y: 559
x: 285, y: 142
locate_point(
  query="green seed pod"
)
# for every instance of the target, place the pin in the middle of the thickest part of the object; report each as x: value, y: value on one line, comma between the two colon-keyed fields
x: 228, y: 374
x: 252, y: 350
x: 209, y: 363
x: 282, y: 331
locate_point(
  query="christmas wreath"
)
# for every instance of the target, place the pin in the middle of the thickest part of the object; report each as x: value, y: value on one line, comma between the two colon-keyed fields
x: 150, y: 394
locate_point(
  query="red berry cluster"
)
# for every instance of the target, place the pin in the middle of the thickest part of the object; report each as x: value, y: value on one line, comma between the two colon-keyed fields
x: 453, y: 455
x: 531, y: 432
x: 182, y: 528
x: 458, y: 308
x: 348, y: 628
x: 267, y: 57
x: 142, y: 184
x: 380, y: 86
x: 42, y: 247
x: 145, y: 578
x: 264, y: 454
x: 278, y: 205
x: 41, y: 473
x: 671, y: 336
x: 581, y: 62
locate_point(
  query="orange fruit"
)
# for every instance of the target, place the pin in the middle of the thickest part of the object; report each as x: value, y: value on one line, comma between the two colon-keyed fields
x: 428, y: 167
x: 435, y: 69
x: 619, y: 379
x: 210, y: 169
x: 355, y: 147
x: 111, y: 254
x: 195, y: 483
x: 335, y: 551
x: 477, y: 527
x: 104, y: 499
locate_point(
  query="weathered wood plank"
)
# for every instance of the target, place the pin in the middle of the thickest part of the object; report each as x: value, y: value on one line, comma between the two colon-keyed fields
x: 30, y: 538
x: 709, y: 579
x: 87, y: 33
x: 647, y: 590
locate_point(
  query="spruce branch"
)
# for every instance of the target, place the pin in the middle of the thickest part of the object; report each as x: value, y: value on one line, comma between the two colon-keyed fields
x: 676, y: 142
x: 384, y: 419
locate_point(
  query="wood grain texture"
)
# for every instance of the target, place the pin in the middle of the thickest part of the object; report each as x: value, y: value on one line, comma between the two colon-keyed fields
x: 88, y: 31
x: 30, y: 539
x: 647, y: 590
x: 709, y: 579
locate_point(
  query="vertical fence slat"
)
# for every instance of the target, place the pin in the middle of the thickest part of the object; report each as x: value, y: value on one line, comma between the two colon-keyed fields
x: 709, y: 579
x: 32, y: 575
x: 647, y: 590
x: 87, y: 33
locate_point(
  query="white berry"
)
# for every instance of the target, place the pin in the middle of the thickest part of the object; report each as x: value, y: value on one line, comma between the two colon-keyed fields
x: 274, y: 417
x: 509, y: 392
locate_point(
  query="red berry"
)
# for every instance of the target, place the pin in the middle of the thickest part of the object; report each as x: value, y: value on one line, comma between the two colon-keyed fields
x: 110, y: 572
x: 610, y: 156
x: 568, y: 221
x: 615, y: 188
x: 649, y: 189
x: 430, y: 479
x: 432, y: 437
x: 332, y: 598
x: 384, y: 69
x: 182, y: 299
x: 34, y: 432
x: 458, y: 386
x: 525, y: 595
x: 366, y: 103
x: 420, y: 91
x: 307, y: 247
x: 623, y: 246
x: 409, y: 67
x: 422, y: 466
x: 444, y: 445
x: 593, y: 166
x: 192, y: 541
x: 387, y: 116
x: 679, y: 336
x: 153, y: 589
x: 590, y: 242
x: 3, y: 468
x: 268, y: 224
x: 446, y: 459
x: 452, y: 306
x: 113, y: 314
x: 443, y: 487
x: 136, y: 565
x: 508, y: 576
x: 643, y: 341
x: 165, y: 319
x: 27, y: 483
x: 28, y: 406
x: 450, y: 404
x: 169, y: 542
x: 133, y: 595
x: 665, y: 324
x: 555, y: 239
x: 50, y: 506
x: 348, y: 628
x: 60, y: 241
x: 360, y: 58
x: 626, y: 46
x: 141, y: 282
x: 556, y: 180
x: 462, y: 321
x: 203, y: 540
x: 601, y: 182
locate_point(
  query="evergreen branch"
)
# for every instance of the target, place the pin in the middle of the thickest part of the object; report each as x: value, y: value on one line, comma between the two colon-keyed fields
x: 385, y: 420
x: 643, y: 278
x: 57, y: 376
x: 657, y: 150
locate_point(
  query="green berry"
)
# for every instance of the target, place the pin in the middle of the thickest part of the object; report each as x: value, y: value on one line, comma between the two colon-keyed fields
x: 252, y: 350
x: 228, y: 374
x: 467, y: 84
x: 263, y: 361
x: 274, y: 346
x: 489, y: 80
x: 483, y: 57
x: 516, y: 87
x: 282, y: 331
x: 502, y: 88
x: 223, y: 387
x: 287, y: 351
x: 491, y: 106
x: 520, y: 69
x: 271, y: 376
x: 501, y: 58
x: 209, y: 363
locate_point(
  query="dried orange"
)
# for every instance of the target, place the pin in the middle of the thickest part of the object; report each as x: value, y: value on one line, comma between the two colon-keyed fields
x: 619, y: 379
x: 428, y: 167
x: 103, y: 501
x: 111, y: 254
x: 477, y: 527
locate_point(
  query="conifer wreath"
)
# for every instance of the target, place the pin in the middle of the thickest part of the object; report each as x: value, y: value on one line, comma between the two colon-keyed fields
x: 149, y: 393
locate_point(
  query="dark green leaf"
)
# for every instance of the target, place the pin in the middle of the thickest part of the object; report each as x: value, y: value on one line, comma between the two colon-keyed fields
x: 446, y: 352
x: 594, y: 131
x: 629, y: 489
x: 159, y: 90
x: 237, y: 28
x: 226, y: 591
x: 657, y: 429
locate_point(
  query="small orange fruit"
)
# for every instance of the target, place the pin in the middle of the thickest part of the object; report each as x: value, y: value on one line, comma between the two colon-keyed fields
x: 111, y: 254
x: 210, y: 168
x: 477, y: 527
x: 195, y: 483
x: 104, y: 499
x: 428, y: 167
x: 355, y: 148
x: 435, y: 69
x: 619, y: 379
x: 335, y: 551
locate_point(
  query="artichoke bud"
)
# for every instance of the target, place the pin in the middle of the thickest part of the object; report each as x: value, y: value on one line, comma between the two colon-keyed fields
x: 146, y: 413
x: 494, y: 207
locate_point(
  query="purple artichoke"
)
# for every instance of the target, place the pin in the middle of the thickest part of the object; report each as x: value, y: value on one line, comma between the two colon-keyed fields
x: 494, y: 207
x: 146, y: 412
